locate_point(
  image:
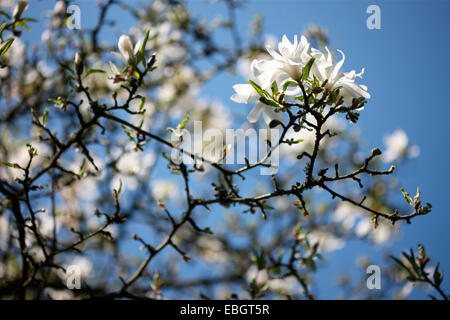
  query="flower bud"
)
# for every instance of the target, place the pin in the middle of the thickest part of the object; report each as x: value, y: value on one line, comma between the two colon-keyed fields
x: 126, y: 48
x: 21, y: 6
x: 151, y: 61
x: 59, y: 8
x: 78, y: 63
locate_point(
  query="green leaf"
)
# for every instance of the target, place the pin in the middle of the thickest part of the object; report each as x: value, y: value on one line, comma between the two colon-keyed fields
x: 274, y: 88
x: 9, y: 164
x: 297, y: 141
x: 22, y: 24
x: 400, y: 263
x: 265, y: 95
x: 6, y: 46
x: 55, y: 100
x: 45, y: 117
x: 407, y: 197
x: 257, y: 88
x: 28, y: 20
x: 412, y: 261
x: 93, y: 71
x: 307, y: 68
x: 142, y: 48
x: 2, y: 28
x: 437, y: 276
x: 4, y: 13
x: 82, y: 165
x: 141, y: 106
x: 288, y: 83
x: 182, y: 125
x: 129, y: 133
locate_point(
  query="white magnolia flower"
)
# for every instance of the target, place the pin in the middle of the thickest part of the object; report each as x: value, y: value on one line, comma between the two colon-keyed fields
x: 397, y: 147
x: 290, y: 59
x: 127, y: 52
x: 245, y: 93
x: 324, y: 69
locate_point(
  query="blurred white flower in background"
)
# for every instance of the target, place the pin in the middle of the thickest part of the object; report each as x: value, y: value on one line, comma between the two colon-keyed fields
x: 131, y: 166
x: 352, y: 217
x: 164, y: 189
x: 397, y: 147
x: 254, y: 274
x: 85, y: 265
x: 4, y: 227
x: 327, y: 241
x: 59, y: 8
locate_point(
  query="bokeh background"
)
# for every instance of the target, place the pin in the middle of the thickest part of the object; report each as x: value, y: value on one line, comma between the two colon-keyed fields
x: 406, y: 70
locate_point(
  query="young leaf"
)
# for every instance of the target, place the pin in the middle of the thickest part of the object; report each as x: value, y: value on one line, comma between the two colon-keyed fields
x: 45, y: 117
x: 93, y: 71
x: 307, y: 68
x: 6, y: 46
x: 2, y: 28
x: 9, y: 164
x: 403, y: 266
x: 274, y: 88
x: 142, y: 48
x: 183, y: 123
x: 407, y: 197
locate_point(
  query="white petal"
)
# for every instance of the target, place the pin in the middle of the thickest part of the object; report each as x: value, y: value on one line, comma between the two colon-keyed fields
x: 274, y: 54
x: 337, y: 67
x: 269, y: 114
x: 253, y: 116
x: 245, y: 93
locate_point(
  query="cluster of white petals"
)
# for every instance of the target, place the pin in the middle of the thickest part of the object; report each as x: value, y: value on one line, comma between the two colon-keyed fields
x: 287, y: 65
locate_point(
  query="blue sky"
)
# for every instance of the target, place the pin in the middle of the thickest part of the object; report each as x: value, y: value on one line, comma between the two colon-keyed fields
x: 406, y: 70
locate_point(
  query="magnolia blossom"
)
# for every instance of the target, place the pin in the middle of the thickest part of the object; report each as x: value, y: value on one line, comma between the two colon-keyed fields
x: 245, y: 93
x: 287, y: 65
x: 324, y: 69
x: 127, y: 52
x: 290, y: 59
